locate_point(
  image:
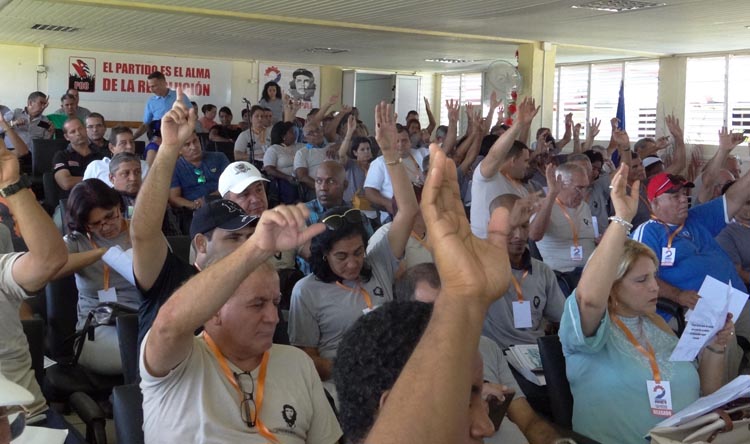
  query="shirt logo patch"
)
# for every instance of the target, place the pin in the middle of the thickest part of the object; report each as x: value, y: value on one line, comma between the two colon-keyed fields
x: 289, y: 414
x: 378, y: 292
x: 537, y: 301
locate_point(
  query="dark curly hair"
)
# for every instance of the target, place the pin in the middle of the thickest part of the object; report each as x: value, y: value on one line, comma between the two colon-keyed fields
x: 370, y: 358
x: 278, y: 131
x: 323, y: 243
x: 355, y: 146
x: 84, y: 197
x: 267, y: 97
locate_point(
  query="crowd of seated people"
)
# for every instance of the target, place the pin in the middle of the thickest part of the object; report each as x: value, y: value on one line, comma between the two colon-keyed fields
x: 301, y: 244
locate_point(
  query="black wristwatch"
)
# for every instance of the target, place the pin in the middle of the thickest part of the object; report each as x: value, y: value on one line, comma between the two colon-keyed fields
x: 23, y: 182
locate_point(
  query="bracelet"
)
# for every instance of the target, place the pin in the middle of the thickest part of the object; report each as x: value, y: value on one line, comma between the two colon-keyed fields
x: 393, y: 162
x: 618, y: 220
x: 718, y: 352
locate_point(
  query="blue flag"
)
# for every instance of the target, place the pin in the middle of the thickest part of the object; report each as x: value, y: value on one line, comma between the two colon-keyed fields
x: 621, y: 116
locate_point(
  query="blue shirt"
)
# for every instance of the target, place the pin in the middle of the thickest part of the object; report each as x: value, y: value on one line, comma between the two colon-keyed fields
x: 698, y: 255
x: 157, y: 106
x: 608, y: 376
x: 199, y: 181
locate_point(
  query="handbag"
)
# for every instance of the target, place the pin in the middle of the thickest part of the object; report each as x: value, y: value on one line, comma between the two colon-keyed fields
x: 105, y: 313
x: 729, y: 424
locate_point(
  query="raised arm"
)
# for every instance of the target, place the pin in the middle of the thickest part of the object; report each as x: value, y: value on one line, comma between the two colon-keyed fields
x: 320, y: 115
x: 47, y: 252
x: 591, y: 133
x: 194, y: 303
x: 140, y: 131
x: 679, y: 161
x: 456, y: 323
x: 539, y: 224
x: 622, y: 142
x: 430, y: 118
x: 474, y: 144
x: 403, y: 190
x: 596, y: 282
x: 149, y: 244
x: 346, y: 143
x: 738, y: 194
x: 568, y: 132
x: 449, y: 143
x: 577, y: 147
x: 497, y: 154
x: 77, y: 261
x: 291, y: 106
x: 494, y: 105
x: 727, y: 142
x: 19, y: 146
x: 331, y: 130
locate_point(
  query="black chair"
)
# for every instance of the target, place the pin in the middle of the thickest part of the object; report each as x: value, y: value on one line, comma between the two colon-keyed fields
x: 203, y: 137
x: 42, y: 152
x: 673, y: 309
x: 127, y: 407
x: 34, y: 331
x: 558, y: 387
x: 66, y: 378
x: 180, y: 246
x: 127, y: 337
x: 223, y: 147
x: 51, y: 192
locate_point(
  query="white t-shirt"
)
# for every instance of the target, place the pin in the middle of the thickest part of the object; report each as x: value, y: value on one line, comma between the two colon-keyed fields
x: 557, y: 240
x: 483, y: 191
x: 378, y: 177
x: 310, y: 157
x: 243, y: 140
x: 282, y: 157
x: 196, y: 403
x: 99, y: 169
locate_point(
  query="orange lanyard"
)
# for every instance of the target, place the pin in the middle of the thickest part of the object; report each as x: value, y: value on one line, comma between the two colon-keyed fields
x: 262, y: 429
x: 573, y: 227
x: 366, y: 295
x: 673, y: 234
x: 741, y: 223
x: 106, y: 267
x: 517, y: 285
x: 421, y: 241
x: 647, y: 352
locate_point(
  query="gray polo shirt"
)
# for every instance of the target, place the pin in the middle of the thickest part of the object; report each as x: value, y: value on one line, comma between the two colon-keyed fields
x: 600, y: 202
x: 546, y: 301
x: 557, y: 240
x: 734, y: 239
x: 30, y: 130
x: 321, y: 312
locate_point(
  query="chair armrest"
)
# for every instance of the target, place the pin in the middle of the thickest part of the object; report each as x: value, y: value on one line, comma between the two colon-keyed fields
x: 92, y: 415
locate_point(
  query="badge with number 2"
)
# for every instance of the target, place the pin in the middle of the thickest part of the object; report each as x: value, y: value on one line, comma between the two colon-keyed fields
x: 668, y: 256
x: 659, y: 398
x: 576, y: 253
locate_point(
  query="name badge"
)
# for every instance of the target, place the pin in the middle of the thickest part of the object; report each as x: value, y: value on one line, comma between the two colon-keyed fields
x: 668, y: 256
x: 576, y: 253
x: 521, y: 314
x: 108, y: 295
x: 659, y: 398
x: 366, y: 310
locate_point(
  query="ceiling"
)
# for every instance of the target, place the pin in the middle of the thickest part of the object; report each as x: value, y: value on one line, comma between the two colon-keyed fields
x: 379, y: 34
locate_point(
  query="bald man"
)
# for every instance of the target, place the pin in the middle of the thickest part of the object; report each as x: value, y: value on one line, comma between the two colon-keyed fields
x: 330, y: 184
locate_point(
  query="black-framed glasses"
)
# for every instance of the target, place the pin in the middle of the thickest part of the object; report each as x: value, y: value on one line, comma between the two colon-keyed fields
x: 248, y: 409
x: 201, y: 177
x: 336, y: 221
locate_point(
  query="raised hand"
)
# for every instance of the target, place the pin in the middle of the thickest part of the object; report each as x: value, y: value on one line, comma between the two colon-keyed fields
x: 615, y: 122
x: 527, y: 110
x: 569, y: 121
x: 284, y: 228
x: 334, y: 99
x: 729, y: 140
x: 722, y: 336
x: 458, y: 249
x: 4, y: 125
x: 626, y: 205
x: 577, y: 131
x: 426, y: 104
x: 621, y: 139
x: 469, y: 109
x: 351, y: 125
x: 673, y: 124
x: 523, y: 209
x: 554, y: 181
x: 593, y: 129
x: 453, y: 109
x: 10, y: 171
x: 494, y: 102
x: 385, y: 130
x: 178, y: 124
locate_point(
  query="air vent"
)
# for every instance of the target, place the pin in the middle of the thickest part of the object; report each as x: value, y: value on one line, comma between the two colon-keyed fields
x: 448, y: 61
x: 56, y: 28
x: 618, y: 5
x: 326, y: 50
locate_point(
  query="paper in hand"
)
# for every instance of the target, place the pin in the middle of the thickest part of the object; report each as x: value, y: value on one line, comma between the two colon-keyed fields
x: 120, y: 261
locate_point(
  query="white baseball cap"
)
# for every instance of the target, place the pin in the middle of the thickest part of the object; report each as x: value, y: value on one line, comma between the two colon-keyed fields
x: 12, y: 394
x: 651, y: 160
x: 237, y: 176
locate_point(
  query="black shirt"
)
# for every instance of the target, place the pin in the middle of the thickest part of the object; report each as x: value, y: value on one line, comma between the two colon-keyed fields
x: 173, y: 274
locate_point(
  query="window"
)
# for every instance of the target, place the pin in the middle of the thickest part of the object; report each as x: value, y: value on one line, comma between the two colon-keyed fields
x: 465, y: 87
x: 592, y: 91
x: 716, y: 95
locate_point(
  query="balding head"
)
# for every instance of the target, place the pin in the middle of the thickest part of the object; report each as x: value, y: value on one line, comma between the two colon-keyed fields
x: 330, y: 183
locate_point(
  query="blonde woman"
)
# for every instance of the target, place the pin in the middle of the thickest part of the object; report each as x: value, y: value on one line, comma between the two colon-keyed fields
x: 617, y: 348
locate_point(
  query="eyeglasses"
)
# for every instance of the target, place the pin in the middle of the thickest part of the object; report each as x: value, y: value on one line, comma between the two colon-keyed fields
x: 111, y: 217
x: 248, y: 409
x: 336, y: 221
x: 201, y: 177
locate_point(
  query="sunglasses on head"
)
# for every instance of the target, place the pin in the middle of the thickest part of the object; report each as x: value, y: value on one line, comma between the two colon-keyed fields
x: 336, y: 221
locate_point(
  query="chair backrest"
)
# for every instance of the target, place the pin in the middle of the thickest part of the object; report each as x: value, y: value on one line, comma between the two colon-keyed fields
x: 127, y: 409
x: 223, y: 147
x: 140, y: 148
x: 34, y: 330
x: 42, y: 152
x: 62, y: 316
x: 203, y: 137
x: 675, y: 310
x: 51, y: 191
x: 127, y: 337
x: 558, y: 387
x: 180, y: 247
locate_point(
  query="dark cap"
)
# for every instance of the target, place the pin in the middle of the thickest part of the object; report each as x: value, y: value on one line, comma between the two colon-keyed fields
x: 220, y: 213
x: 666, y: 183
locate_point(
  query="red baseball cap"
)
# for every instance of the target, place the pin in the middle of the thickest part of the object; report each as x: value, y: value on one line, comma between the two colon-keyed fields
x: 666, y: 183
